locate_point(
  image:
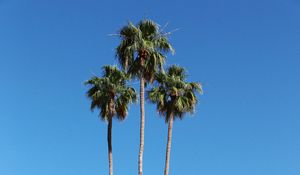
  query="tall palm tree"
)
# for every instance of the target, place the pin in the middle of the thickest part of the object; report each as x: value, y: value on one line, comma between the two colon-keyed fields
x: 111, y: 96
x: 141, y: 53
x: 173, y: 97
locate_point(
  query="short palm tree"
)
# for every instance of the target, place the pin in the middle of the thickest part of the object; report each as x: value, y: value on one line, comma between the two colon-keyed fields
x: 173, y: 97
x: 141, y: 53
x: 111, y: 96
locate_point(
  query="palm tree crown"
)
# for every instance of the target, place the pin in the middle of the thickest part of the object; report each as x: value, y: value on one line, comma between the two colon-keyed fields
x: 173, y: 96
x: 142, y: 49
x: 110, y: 93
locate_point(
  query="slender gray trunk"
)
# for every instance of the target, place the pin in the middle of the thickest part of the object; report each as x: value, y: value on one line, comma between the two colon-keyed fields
x: 142, y: 125
x: 168, y: 149
x: 109, y: 133
x: 110, y: 156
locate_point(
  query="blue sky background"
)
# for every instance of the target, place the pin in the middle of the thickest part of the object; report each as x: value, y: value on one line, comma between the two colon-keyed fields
x: 245, y: 53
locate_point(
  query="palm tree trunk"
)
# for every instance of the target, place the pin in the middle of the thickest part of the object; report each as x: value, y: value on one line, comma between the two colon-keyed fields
x: 142, y: 125
x: 110, y: 157
x: 168, y: 149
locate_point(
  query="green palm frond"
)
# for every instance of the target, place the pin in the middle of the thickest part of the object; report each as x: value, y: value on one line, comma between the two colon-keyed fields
x: 130, y: 32
x: 196, y: 86
x: 125, y: 97
x: 148, y: 28
x: 176, y: 71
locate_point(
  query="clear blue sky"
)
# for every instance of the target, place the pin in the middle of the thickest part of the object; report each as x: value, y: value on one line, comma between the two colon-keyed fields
x: 246, y: 54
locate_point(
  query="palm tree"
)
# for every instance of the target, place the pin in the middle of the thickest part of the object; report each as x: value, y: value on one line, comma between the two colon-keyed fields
x: 111, y: 96
x: 173, y: 97
x: 141, y: 53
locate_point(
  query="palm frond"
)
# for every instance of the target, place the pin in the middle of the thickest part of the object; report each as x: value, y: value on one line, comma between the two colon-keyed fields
x: 176, y: 71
